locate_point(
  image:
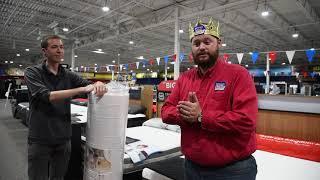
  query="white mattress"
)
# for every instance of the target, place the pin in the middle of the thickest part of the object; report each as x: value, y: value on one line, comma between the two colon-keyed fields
x: 270, y: 166
x: 82, y: 110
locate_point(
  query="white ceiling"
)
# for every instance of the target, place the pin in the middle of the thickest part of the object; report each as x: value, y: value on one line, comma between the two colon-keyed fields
x: 150, y: 24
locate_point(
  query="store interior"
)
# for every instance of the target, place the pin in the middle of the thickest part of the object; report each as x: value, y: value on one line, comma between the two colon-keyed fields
x: 144, y: 45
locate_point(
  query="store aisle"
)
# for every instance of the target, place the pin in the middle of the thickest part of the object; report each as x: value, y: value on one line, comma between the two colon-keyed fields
x: 13, y: 139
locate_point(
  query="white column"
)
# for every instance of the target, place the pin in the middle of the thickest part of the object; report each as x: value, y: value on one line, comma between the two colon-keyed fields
x: 267, y: 75
x: 72, y: 59
x: 165, y: 71
x: 177, y: 45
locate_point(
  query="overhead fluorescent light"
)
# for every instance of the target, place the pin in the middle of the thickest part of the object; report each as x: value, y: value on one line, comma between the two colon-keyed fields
x: 105, y: 8
x: 140, y: 57
x: 99, y: 52
x: 224, y: 44
x: 11, y: 62
x: 75, y: 55
x: 65, y: 29
x: 171, y: 62
x: 99, y: 49
x: 283, y: 63
x: 27, y: 49
x: 295, y: 35
x: 247, y: 65
x: 265, y: 13
x: 131, y: 42
x: 20, y: 65
x: 5, y: 61
x: 181, y: 31
x: 18, y: 54
x: 113, y: 61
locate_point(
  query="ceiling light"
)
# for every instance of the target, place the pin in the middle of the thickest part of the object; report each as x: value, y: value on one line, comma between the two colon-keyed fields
x: 283, y: 63
x: 188, y: 68
x: 312, y: 49
x: 131, y: 42
x: 75, y: 55
x: 11, y: 62
x: 250, y: 53
x: 247, y: 65
x: 168, y: 67
x: 27, y: 49
x: 148, y: 69
x: 81, y: 66
x: 229, y: 62
x: 295, y: 35
x: 265, y: 13
x: 99, y: 49
x: 171, y: 62
x: 131, y: 71
x: 62, y: 59
x: 140, y: 57
x: 65, y: 29
x: 99, y: 52
x: 224, y: 44
x: 118, y: 54
x: 20, y: 65
x: 96, y: 64
x: 113, y: 61
x: 151, y: 71
x: 181, y: 31
x: 5, y: 61
x: 105, y: 8
x: 18, y: 54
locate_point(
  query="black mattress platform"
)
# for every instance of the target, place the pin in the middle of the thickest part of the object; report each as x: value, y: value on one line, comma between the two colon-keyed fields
x: 172, y: 168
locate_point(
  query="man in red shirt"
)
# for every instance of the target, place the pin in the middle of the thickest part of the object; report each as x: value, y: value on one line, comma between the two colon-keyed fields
x: 216, y: 107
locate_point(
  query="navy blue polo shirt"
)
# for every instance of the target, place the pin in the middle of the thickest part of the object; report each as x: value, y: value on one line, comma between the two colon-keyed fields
x: 49, y: 122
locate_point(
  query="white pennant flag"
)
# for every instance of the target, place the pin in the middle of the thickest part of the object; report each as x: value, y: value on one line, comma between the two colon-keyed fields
x: 137, y: 64
x: 290, y: 55
x: 121, y: 67
x: 108, y: 69
x: 239, y: 56
x: 158, y: 60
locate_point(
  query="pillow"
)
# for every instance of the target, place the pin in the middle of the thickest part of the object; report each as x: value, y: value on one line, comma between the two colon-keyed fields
x: 157, y: 123
x: 136, y: 109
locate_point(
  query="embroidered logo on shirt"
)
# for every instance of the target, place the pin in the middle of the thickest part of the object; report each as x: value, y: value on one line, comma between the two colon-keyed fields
x: 219, y: 86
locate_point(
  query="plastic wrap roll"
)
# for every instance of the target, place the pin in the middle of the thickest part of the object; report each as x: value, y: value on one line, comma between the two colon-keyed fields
x: 106, y: 125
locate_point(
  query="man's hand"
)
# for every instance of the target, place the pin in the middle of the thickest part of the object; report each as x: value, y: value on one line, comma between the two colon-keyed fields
x: 99, y: 88
x: 189, y: 110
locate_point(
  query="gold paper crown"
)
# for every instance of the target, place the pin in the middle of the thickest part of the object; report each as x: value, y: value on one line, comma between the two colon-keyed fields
x: 211, y: 28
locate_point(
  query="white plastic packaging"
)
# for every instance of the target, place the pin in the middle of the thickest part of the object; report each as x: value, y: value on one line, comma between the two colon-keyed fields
x: 107, y: 122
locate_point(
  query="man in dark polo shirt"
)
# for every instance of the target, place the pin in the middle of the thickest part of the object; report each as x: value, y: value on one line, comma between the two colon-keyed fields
x: 50, y: 89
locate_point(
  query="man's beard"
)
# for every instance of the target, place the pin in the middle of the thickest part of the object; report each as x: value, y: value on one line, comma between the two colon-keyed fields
x: 209, y: 63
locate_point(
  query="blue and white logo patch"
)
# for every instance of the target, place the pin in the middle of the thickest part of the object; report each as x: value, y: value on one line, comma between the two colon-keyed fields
x: 219, y: 86
x: 200, y: 29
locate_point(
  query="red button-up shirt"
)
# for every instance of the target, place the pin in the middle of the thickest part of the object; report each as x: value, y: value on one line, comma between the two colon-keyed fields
x: 228, y: 100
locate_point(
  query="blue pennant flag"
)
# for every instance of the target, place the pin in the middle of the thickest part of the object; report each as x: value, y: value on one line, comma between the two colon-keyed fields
x: 127, y: 67
x: 181, y: 57
x: 166, y: 58
x: 313, y: 74
x: 310, y: 54
x: 254, y: 56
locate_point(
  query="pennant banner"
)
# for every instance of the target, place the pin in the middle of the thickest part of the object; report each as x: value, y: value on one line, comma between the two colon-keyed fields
x: 272, y: 57
x: 121, y: 65
x: 290, y: 55
x: 137, y: 64
x: 226, y: 57
x: 166, y: 58
x: 239, y: 56
x: 158, y: 60
x: 151, y: 62
x: 310, y: 54
x: 254, y: 56
x: 181, y: 57
x: 107, y: 68
x: 174, y: 57
x: 313, y: 74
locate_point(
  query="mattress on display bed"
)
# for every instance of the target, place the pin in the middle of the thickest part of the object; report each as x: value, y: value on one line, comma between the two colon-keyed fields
x: 276, y: 157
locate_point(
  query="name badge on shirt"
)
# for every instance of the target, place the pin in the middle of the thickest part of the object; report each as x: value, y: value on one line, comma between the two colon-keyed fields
x: 219, y: 86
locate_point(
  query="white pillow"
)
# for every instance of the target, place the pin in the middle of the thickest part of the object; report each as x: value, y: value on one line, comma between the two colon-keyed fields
x: 157, y: 123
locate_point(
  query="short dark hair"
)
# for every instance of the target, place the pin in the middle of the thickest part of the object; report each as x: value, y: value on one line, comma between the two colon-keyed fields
x: 45, y: 39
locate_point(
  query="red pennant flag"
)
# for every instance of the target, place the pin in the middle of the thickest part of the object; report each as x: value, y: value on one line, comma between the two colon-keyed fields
x: 305, y: 74
x: 190, y: 57
x: 151, y: 62
x: 174, y: 57
x: 272, y: 56
x: 226, y: 57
